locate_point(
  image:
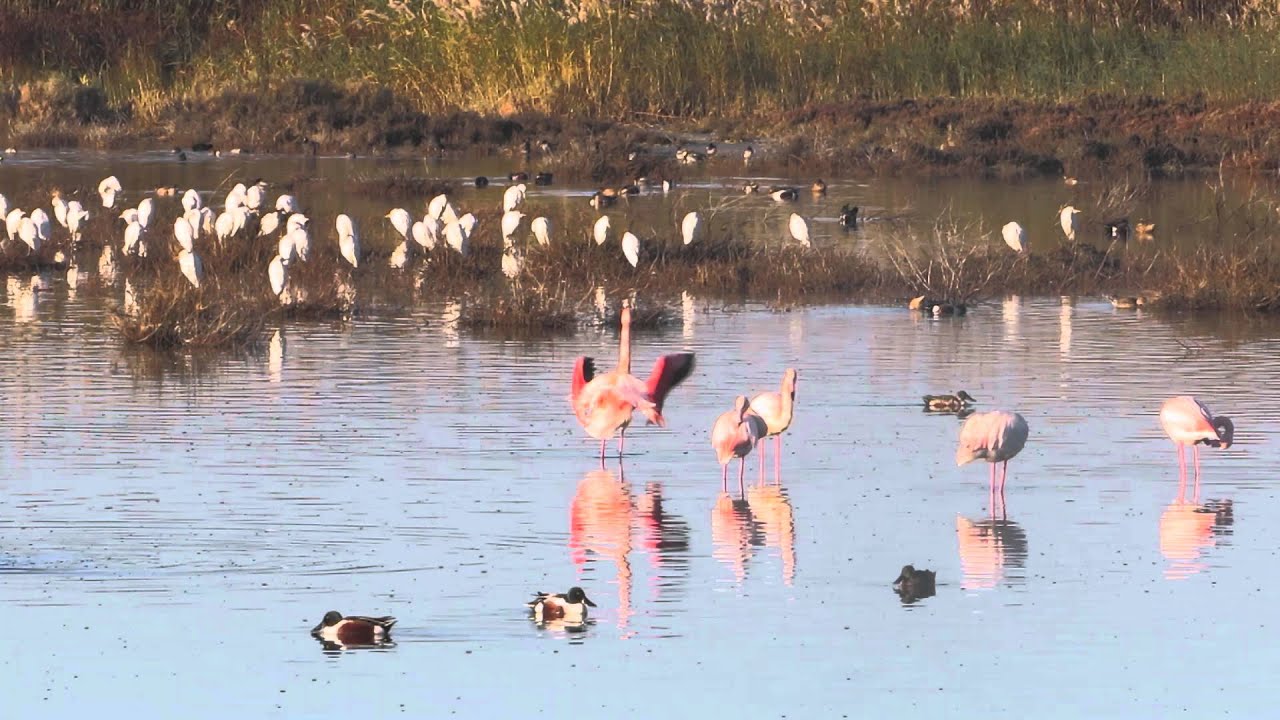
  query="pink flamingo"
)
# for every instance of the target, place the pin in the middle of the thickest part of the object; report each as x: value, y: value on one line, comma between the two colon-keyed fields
x: 996, y: 437
x: 733, y: 435
x: 1188, y: 421
x: 776, y: 409
x: 603, y: 403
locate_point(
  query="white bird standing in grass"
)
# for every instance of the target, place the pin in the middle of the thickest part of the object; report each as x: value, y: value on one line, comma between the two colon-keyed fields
x: 107, y: 190
x: 511, y: 222
x: 40, y: 219
x: 301, y: 240
x: 253, y: 197
x: 1067, y: 219
x: 348, y: 240
x: 225, y: 226
x: 468, y: 223
x: 512, y: 262
x: 1015, y: 237
x: 400, y: 256
x: 130, y: 215
x: 12, y: 221
x: 401, y: 221
x: 456, y: 236
x: 631, y: 248
x: 76, y: 215
x: 422, y: 236
x: 27, y: 234
x: 195, y: 221
x: 434, y: 229
x: 541, y: 230
x: 435, y: 208
x: 133, y: 243
x: 278, y: 274
x: 191, y: 200
x: 800, y: 230
x: 268, y: 224
x: 192, y: 266
x: 286, y: 204
x: 145, y: 210
x: 185, y: 235
x: 59, y: 208
x: 601, y: 230
x: 4, y: 206
x: 513, y: 197
x: 690, y: 226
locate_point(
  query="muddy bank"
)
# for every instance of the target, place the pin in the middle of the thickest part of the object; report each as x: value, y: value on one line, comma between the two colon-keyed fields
x: 1091, y: 137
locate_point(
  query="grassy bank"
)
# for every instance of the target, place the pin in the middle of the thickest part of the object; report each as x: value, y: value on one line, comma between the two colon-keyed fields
x: 356, y: 74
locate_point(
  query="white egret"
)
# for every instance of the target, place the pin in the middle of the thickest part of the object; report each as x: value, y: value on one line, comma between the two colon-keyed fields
x: 800, y: 230
x: 191, y: 200
x: 456, y: 236
x: 295, y: 221
x: 512, y: 263
x: 235, y: 198
x: 422, y: 236
x: 348, y: 240
x: 225, y: 226
x: 268, y: 224
x: 1015, y: 237
x: 301, y: 243
x: 511, y: 222
x: 435, y: 208
x: 449, y: 214
x: 278, y: 274
x: 133, y: 240
x: 401, y: 221
x: 40, y: 219
x: 4, y: 206
x: 11, y: 222
x: 192, y: 266
x: 1067, y: 219
x: 286, y: 203
x: 185, y: 235
x: 434, y: 229
x: 107, y: 190
x: 541, y: 230
x: 253, y: 197
x: 286, y: 249
x: 601, y: 230
x: 145, y: 210
x: 193, y: 219
x: 76, y: 215
x: 130, y: 215
x: 206, y: 221
x: 27, y: 234
x: 513, y: 197
x: 59, y: 208
x: 468, y: 223
x: 690, y: 226
x: 631, y: 248
x: 400, y: 256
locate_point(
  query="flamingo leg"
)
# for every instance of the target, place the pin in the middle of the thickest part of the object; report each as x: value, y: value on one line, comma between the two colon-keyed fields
x: 1195, y: 495
x: 602, y: 447
x: 724, y: 478
x: 1182, y: 464
x: 742, y: 472
x: 777, y: 459
x: 761, y: 446
x: 622, y: 442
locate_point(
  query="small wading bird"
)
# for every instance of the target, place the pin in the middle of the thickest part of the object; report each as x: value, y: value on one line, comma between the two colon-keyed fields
x: 541, y: 228
x: 733, y: 435
x: 1015, y: 237
x: 777, y: 410
x: 690, y: 226
x: 601, y: 230
x: 949, y: 403
x: 1067, y: 218
x: 353, y: 630
x: 604, y: 403
x: 631, y: 248
x: 348, y: 240
x: 799, y: 230
x: 570, y: 607
x: 996, y: 437
x: 1189, y: 422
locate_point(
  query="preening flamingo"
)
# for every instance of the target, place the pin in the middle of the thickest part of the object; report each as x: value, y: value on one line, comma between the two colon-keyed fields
x: 733, y: 435
x: 996, y: 437
x: 776, y: 409
x: 604, y: 403
x: 1188, y: 422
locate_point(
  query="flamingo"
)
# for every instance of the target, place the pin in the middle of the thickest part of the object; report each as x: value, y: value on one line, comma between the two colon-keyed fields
x: 733, y: 435
x: 776, y: 409
x: 1188, y: 422
x: 1015, y: 237
x: 604, y: 403
x: 996, y: 436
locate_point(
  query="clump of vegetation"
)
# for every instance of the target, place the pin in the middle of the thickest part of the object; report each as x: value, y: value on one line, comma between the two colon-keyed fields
x: 521, y: 311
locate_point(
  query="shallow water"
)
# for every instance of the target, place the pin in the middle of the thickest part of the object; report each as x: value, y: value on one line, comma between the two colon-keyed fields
x: 172, y: 530
x: 173, y: 526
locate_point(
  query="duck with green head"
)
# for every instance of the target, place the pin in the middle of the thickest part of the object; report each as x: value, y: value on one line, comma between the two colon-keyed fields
x: 949, y: 403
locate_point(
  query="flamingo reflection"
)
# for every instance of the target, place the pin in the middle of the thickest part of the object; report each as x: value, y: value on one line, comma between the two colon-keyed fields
x: 771, y: 508
x: 989, y: 549
x: 1188, y: 530
x: 733, y: 532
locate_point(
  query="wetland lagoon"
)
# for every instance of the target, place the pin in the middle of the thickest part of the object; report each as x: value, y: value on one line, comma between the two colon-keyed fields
x: 176, y: 520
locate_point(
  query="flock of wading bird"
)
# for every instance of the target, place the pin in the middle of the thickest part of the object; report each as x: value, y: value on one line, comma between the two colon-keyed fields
x: 603, y: 402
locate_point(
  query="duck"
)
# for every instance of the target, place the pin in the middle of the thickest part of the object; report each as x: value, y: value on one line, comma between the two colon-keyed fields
x: 604, y: 198
x: 632, y: 189
x: 1118, y: 229
x: 482, y: 181
x: 913, y: 584
x: 353, y: 629
x: 819, y: 187
x: 751, y: 188
x: 782, y: 194
x: 542, y: 178
x: 570, y: 607
x: 711, y: 149
x: 747, y: 153
x: 849, y: 216
x: 518, y: 177
x: 949, y: 403
x: 1142, y: 231
x: 1127, y: 302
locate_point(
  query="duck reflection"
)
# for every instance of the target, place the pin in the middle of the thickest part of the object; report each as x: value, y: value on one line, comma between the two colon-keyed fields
x: 1188, y: 530
x: 771, y: 510
x: 989, y: 550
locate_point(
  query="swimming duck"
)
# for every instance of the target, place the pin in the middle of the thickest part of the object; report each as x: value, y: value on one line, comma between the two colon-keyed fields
x: 570, y: 607
x: 849, y: 216
x: 1127, y: 302
x: 1142, y: 231
x: 819, y: 187
x: 949, y: 403
x: 604, y: 198
x: 628, y: 190
x: 913, y: 584
x: 542, y: 178
x: 783, y: 193
x: 751, y: 188
x: 747, y: 153
x: 1118, y: 229
x: 518, y: 177
x: 711, y: 149
x: 482, y: 181
x: 353, y: 630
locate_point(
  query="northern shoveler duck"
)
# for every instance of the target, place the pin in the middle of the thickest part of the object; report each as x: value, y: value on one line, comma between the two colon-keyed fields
x: 628, y: 190
x: 913, y: 584
x: 570, y: 607
x: 667, y: 185
x: 711, y: 149
x: 928, y: 305
x: 518, y: 177
x: 542, y: 178
x: 353, y: 630
x: 849, y: 216
x: 949, y: 403
x: 482, y: 181
x: 604, y: 198
x: 819, y: 187
x: 166, y: 191
x: 747, y: 153
x: 783, y: 193
x: 751, y: 188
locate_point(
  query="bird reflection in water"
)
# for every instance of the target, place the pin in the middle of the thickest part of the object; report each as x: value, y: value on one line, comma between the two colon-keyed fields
x: 603, y: 515
x: 733, y: 532
x: 1188, y: 530
x: 989, y: 549
x: 771, y: 509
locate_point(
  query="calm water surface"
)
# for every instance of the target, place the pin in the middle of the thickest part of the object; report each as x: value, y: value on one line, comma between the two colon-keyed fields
x: 173, y: 527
